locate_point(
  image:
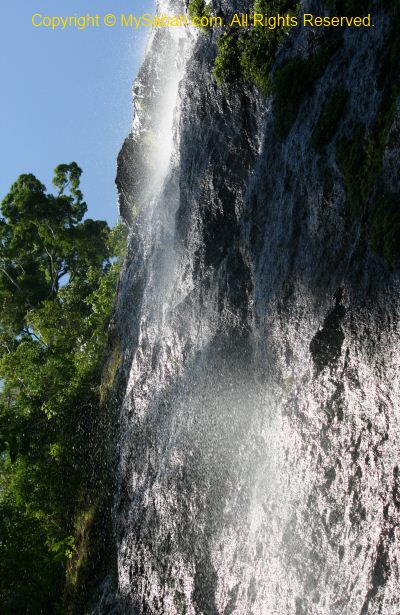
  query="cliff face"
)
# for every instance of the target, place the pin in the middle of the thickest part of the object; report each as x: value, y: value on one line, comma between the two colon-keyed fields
x: 259, y: 437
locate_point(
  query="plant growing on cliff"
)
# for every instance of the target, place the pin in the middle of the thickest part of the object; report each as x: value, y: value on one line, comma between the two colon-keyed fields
x: 199, y: 9
x: 259, y: 44
x: 360, y: 157
x: 58, y: 278
x: 295, y: 80
x: 227, y: 61
x: 247, y: 53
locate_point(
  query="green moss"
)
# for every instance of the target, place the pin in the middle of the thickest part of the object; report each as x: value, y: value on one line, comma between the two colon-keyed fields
x: 258, y: 45
x: 385, y: 228
x: 360, y: 158
x: 94, y: 555
x: 329, y: 119
x: 295, y: 80
x: 227, y: 61
x: 109, y: 373
x: 248, y: 53
x: 199, y: 9
x: 180, y: 603
x: 79, y: 559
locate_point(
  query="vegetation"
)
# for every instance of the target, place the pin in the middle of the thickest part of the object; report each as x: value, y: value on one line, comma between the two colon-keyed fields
x: 328, y: 122
x: 227, y: 68
x: 247, y: 53
x: 295, y: 80
x: 360, y: 160
x: 199, y: 9
x: 58, y: 275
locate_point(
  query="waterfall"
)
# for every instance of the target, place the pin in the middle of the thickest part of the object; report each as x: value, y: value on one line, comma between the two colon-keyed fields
x: 259, y: 436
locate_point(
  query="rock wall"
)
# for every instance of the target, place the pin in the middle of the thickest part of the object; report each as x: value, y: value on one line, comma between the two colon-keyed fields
x: 259, y: 437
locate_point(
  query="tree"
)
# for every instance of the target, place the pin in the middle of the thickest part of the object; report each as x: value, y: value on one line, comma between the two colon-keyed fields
x: 58, y: 278
x: 43, y: 239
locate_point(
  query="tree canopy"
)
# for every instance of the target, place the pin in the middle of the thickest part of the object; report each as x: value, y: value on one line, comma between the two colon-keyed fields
x: 58, y: 277
x: 43, y: 239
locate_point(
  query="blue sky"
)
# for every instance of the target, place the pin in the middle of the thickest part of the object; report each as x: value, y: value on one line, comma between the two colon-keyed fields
x: 67, y: 95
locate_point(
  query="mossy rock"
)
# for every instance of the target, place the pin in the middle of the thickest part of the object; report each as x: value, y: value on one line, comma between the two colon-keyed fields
x: 295, y: 80
x: 94, y: 556
x: 199, y: 9
x: 247, y: 54
x: 180, y: 602
x: 360, y: 157
x: 227, y: 61
x: 110, y: 372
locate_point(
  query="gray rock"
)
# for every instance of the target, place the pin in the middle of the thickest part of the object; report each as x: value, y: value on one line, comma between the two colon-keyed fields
x: 259, y: 438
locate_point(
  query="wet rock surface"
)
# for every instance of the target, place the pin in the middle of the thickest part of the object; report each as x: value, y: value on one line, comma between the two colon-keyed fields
x: 259, y: 438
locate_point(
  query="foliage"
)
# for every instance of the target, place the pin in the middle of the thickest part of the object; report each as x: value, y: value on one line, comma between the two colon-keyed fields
x: 28, y: 575
x: 227, y: 61
x: 57, y: 284
x: 260, y: 43
x: 199, y: 9
x: 43, y: 239
x: 295, y: 80
x: 328, y: 122
x: 247, y: 53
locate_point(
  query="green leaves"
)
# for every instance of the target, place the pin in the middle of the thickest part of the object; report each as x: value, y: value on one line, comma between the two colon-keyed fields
x: 248, y: 53
x: 28, y: 575
x: 199, y: 9
x: 58, y: 278
x: 67, y: 177
x: 43, y: 241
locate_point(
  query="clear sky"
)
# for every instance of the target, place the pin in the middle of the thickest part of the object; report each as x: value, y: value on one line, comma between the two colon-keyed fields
x: 66, y: 95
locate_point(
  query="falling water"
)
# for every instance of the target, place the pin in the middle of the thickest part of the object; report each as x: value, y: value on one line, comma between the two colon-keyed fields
x: 259, y: 444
